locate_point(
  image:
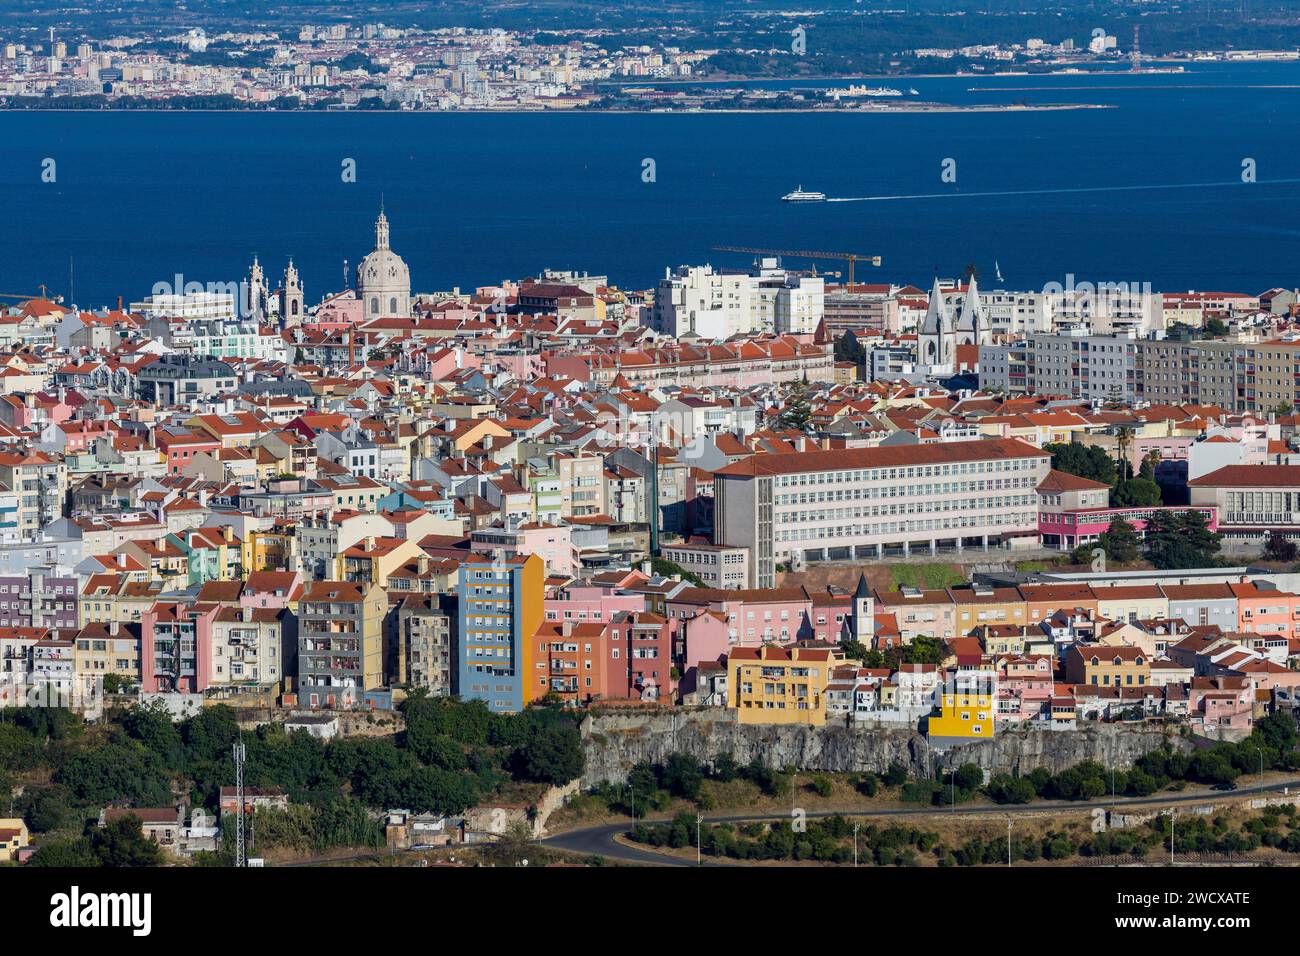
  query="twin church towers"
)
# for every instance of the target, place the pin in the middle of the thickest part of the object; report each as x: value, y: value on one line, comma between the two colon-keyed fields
x: 383, y: 284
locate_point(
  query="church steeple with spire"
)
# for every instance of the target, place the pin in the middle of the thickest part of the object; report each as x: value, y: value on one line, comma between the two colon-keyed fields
x: 972, y: 323
x: 936, y: 343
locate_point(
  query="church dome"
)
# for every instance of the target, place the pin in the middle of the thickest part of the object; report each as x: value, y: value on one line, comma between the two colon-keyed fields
x: 383, y: 279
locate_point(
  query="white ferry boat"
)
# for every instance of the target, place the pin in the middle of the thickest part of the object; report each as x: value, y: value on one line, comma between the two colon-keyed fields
x: 799, y: 195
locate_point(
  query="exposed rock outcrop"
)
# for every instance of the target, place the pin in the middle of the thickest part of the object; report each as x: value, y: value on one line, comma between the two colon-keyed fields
x: 614, y: 743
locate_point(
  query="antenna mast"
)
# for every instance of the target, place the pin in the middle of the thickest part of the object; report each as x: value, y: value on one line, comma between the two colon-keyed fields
x: 241, y: 855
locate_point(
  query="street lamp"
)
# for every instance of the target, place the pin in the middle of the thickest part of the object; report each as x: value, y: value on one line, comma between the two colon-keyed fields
x: 855, y: 844
x: 1008, y: 839
x: 699, y: 818
x: 952, y: 778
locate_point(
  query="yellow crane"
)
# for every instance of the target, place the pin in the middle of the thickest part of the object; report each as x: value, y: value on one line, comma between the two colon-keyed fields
x: 43, y: 295
x: 851, y: 257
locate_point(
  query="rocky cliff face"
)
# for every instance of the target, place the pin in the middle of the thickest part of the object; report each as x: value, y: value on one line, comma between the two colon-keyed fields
x: 614, y: 743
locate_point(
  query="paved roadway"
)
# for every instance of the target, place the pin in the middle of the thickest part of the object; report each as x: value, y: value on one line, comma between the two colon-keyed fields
x: 599, y: 840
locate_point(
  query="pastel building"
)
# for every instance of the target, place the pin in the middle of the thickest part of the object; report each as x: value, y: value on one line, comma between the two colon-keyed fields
x: 176, y: 647
x: 500, y: 612
x: 966, y: 708
x: 778, y: 685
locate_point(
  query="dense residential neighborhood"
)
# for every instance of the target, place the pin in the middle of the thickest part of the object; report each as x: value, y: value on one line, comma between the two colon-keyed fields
x: 415, y: 551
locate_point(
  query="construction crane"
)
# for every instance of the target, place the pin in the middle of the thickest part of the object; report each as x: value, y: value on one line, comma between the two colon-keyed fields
x: 852, y: 257
x: 44, y: 295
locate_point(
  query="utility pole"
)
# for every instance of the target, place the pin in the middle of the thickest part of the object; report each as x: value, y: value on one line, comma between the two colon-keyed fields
x: 1008, y: 839
x: 855, y: 844
x: 699, y: 818
x: 1173, y: 817
x: 241, y: 856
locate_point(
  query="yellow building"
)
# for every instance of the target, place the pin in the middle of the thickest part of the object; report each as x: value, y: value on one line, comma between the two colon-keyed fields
x: 966, y: 707
x: 13, y: 837
x: 1138, y: 602
x: 267, y: 550
x: 999, y: 639
x: 372, y: 559
x: 1103, y: 666
x: 979, y: 605
x: 102, y: 648
x: 116, y: 597
x: 780, y: 685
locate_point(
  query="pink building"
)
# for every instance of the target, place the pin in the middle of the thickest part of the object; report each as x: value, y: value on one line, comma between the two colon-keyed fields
x: 702, y: 637
x: 176, y: 647
x: 1263, y: 611
x: 639, y: 666
x: 1067, y: 529
x: 81, y: 435
x: 586, y: 602
x: 754, y: 617
x: 271, y: 589
x: 1025, y: 686
x: 1221, y: 702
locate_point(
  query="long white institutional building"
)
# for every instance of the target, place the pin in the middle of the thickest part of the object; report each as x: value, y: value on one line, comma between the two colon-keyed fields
x: 865, y: 503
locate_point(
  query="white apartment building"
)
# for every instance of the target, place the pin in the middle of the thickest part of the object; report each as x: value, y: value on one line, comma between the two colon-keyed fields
x: 190, y: 305
x: 867, y: 503
x: 695, y: 300
x: 717, y: 305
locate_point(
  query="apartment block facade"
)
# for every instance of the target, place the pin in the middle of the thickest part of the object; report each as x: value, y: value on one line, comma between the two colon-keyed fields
x: 500, y: 610
x: 340, y: 642
x: 868, y: 503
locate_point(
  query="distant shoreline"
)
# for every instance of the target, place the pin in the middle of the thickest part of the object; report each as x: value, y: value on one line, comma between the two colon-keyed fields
x: 875, y: 111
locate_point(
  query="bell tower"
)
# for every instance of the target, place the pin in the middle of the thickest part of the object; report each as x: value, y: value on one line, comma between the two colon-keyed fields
x: 291, y: 299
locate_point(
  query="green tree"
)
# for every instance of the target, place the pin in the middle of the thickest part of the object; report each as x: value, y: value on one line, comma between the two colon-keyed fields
x: 1150, y: 462
x: 796, y: 412
x: 152, y: 725
x: 1084, y: 461
x: 849, y: 349
x: 1181, y: 540
x: 1278, y: 547
x: 924, y: 649
x: 123, y: 843
x: 1120, y: 541
x: 553, y: 754
x: 1123, y: 447
x: 683, y: 776
x: 1136, y: 493
x: 65, y: 854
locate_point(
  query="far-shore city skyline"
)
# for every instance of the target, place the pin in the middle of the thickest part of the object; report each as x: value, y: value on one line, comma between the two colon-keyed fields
x: 889, y: 458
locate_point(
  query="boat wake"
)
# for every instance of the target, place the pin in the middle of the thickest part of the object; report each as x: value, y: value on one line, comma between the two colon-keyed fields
x: 1062, y: 191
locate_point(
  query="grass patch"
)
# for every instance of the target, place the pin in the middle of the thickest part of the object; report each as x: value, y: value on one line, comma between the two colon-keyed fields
x: 930, y: 576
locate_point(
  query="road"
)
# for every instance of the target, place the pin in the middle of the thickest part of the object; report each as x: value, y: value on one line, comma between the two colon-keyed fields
x: 599, y: 840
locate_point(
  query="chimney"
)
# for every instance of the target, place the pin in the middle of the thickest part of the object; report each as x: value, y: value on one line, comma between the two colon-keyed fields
x: 112, y: 628
x: 246, y: 614
x: 566, y: 628
x: 228, y: 533
x: 370, y: 542
x: 645, y: 568
x: 121, y: 560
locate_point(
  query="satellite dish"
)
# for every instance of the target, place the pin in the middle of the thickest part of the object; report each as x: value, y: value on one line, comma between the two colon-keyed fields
x: 523, y: 862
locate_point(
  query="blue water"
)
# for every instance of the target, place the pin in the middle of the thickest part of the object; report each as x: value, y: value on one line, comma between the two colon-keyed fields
x: 474, y: 198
